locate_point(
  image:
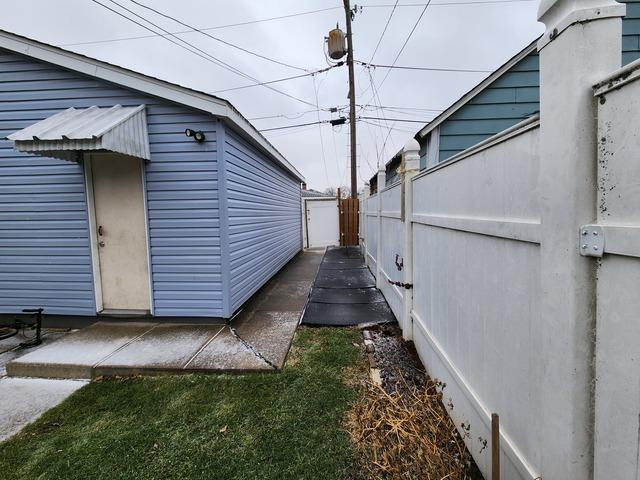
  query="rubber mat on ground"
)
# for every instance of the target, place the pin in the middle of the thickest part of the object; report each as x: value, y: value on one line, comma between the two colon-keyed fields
x: 345, y: 314
x: 345, y: 278
x: 346, y: 295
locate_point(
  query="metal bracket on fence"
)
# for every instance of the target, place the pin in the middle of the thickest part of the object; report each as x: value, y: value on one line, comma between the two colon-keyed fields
x: 408, y: 286
x: 399, y: 262
x: 591, y: 241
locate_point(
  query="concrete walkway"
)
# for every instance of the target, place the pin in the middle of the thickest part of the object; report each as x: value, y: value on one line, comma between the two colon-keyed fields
x: 257, y: 339
x: 23, y: 400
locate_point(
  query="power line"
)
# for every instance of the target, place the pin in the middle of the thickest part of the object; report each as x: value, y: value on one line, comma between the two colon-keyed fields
x: 205, y: 55
x: 427, y: 69
x: 324, y: 158
x: 383, y: 32
x: 445, y: 4
x: 395, y: 119
x: 122, y: 39
x: 229, y: 44
x: 405, y: 43
x: 294, y: 126
x: 279, y: 80
x: 376, y: 95
x: 404, y: 130
x: 413, y: 29
x: 284, y: 133
x: 405, y: 108
x: 295, y: 116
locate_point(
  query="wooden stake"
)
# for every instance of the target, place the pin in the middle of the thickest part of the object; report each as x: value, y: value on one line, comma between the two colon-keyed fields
x: 495, y: 447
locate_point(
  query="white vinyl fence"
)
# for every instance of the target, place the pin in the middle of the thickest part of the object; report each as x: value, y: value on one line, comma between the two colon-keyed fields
x: 521, y: 264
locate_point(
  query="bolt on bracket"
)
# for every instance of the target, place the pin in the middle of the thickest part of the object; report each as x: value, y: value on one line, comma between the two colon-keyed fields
x: 591, y: 241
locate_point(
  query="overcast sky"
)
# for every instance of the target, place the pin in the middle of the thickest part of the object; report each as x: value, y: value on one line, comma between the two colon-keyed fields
x: 466, y: 34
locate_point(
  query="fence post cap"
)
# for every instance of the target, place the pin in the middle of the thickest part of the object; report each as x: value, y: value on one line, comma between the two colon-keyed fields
x: 558, y: 15
x: 412, y: 146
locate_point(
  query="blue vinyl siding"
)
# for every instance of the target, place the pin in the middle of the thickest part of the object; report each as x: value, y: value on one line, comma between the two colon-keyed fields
x: 514, y: 96
x: 631, y: 32
x: 45, y: 256
x: 183, y: 210
x: 264, y: 218
x: 511, y: 98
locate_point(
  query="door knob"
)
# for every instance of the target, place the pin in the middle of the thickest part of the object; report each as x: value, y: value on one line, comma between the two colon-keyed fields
x: 101, y: 243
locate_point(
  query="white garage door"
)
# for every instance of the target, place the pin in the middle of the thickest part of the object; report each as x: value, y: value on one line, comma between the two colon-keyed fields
x: 322, y: 223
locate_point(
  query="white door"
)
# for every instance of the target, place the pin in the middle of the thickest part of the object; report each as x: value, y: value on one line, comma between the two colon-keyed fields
x: 121, y: 234
x: 323, y: 227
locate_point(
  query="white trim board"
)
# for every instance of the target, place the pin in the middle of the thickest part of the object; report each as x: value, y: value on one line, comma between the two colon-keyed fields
x: 93, y: 238
x: 147, y: 234
x: 137, y: 81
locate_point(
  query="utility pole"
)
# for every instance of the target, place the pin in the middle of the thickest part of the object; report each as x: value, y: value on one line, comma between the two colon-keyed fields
x: 352, y: 101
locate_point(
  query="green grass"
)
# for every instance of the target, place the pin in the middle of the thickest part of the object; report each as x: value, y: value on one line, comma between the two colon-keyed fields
x: 278, y: 425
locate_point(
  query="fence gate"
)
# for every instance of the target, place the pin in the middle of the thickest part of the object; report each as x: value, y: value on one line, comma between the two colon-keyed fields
x: 349, y: 220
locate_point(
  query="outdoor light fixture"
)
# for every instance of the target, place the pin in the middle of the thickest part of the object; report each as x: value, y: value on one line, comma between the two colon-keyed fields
x: 197, y: 136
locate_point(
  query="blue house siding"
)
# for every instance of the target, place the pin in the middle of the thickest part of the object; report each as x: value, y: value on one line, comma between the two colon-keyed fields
x: 509, y: 99
x: 183, y: 210
x: 513, y: 97
x: 631, y: 32
x: 45, y: 256
x: 264, y: 217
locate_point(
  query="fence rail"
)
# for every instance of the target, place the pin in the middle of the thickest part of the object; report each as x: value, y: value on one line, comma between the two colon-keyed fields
x: 504, y: 305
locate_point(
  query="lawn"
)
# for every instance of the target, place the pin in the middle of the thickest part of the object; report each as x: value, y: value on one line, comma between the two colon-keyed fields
x: 258, y: 426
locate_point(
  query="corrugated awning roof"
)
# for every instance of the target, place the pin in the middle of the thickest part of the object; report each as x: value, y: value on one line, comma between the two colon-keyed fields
x: 66, y: 134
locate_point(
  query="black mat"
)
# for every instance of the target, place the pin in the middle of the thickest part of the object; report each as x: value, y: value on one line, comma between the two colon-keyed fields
x: 344, y: 292
x: 345, y: 278
x: 344, y: 263
x: 333, y: 253
x: 347, y: 314
x: 347, y: 295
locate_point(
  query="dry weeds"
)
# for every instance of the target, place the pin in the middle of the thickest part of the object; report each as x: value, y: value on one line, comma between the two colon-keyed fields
x: 407, y: 434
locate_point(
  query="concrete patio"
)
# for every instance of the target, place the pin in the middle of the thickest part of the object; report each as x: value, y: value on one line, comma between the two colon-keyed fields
x: 258, y: 338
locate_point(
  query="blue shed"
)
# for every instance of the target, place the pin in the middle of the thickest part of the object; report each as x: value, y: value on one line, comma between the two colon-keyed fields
x: 122, y: 193
x: 506, y: 97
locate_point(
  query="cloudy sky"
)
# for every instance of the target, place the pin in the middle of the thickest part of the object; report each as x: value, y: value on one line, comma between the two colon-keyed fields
x: 475, y: 35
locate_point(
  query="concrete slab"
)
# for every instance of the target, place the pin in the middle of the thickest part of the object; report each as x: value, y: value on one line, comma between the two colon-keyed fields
x: 285, y: 296
x: 225, y: 353
x: 267, y: 322
x: 10, y: 347
x: 167, y: 347
x: 75, y: 355
x: 23, y: 400
x: 270, y: 332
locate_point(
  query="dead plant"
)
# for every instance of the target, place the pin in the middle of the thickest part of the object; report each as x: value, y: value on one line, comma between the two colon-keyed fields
x: 407, y: 434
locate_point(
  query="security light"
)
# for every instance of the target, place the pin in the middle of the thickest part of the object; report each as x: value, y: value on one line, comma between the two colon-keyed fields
x: 198, y: 136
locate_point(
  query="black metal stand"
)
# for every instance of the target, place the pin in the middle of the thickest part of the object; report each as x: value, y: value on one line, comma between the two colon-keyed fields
x: 37, y: 314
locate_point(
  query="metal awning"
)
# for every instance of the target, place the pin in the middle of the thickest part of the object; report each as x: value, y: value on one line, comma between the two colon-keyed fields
x: 67, y: 134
